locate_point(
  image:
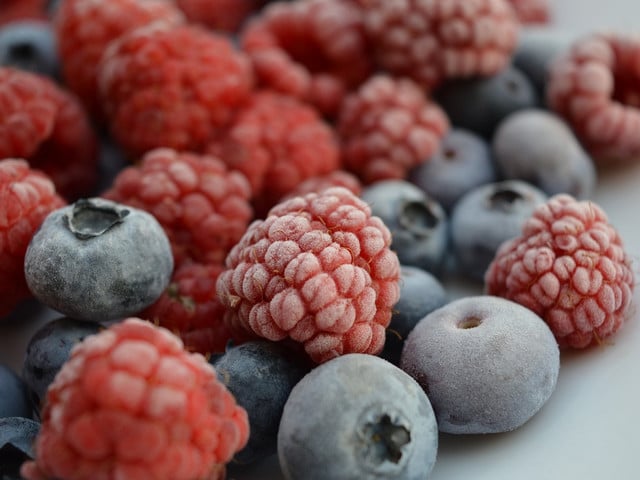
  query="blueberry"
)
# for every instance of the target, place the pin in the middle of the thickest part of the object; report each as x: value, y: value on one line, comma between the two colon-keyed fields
x: 98, y: 260
x: 537, y: 146
x: 487, y: 216
x: 488, y: 364
x: 14, y: 395
x: 357, y: 417
x: 29, y: 45
x: 17, y: 435
x: 463, y: 161
x: 418, y: 224
x: 260, y: 375
x: 479, y: 104
x: 420, y: 294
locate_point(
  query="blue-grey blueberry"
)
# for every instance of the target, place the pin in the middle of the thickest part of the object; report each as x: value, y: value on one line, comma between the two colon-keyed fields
x: 17, y: 436
x: 14, y: 395
x: 30, y: 45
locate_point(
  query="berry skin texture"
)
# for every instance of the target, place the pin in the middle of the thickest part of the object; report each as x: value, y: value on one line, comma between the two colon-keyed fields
x: 131, y: 403
x: 17, y: 435
x: 593, y: 86
x: 30, y: 45
x: 336, y: 178
x: 569, y: 266
x: 532, y: 12
x: 317, y: 270
x: 369, y: 419
x: 27, y: 196
x: 488, y: 364
x: 220, y: 15
x: 387, y: 127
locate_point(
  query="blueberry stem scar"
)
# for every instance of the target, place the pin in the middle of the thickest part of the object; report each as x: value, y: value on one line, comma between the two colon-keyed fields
x: 385, y: 438
x: 92, y: 217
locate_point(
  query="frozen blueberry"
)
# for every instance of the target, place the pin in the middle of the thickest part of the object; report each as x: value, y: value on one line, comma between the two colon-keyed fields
x: 29, y: 45
x: 98, y: 260
x: 487, y: 216
x: 462, y: 161
x: 418, y: 223
x: 357, y: 417
x: 479, y: 104
x: 14, y: 395
x: 420, y: 294
x: 537, y: 146
x: 260, y: 375
x: 487, y: 364
x: 17, y: 435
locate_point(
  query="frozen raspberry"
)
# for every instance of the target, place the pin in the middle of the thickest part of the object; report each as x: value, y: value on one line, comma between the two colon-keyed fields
x: 388, y: 127
x: 568, y: 266
x: 317, y: 270
x: 277, y: 142
x: 172, y: 87
x: 532, y: 11
x: 27, y: 196
x: 221, y: 15
x: 202, y: 206
x: 47, y: 126
x: 431, y: 41
x: 315, y: 50
x: 131, y: 403
x: 13, y: 10
x: 336, y: 178
x: 84, y: 29
x: 594, y: 86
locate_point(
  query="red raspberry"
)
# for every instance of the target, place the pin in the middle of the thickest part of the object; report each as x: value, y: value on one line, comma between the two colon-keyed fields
x: 131, y: 403
x: 388, y: 127
x: 430, y: 41
x: 203, y: 208
x: 222, y: 15
x: 15, y: 10
x: 277, y: 142
x: 532, y: 11
x: 594, y: 86
x: 314, y: 50
x: 318, y: 270
x: 172, y: 87
x: 27, y: 196
x: 337, y: 178
x: 568, y: 266
x: 47, y: 126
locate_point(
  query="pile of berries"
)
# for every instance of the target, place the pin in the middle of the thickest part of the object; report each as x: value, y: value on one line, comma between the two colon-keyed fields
x: 235, y: 209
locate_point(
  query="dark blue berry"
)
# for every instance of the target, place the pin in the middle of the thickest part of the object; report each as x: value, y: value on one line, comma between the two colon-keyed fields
x: 30, y: 45
x: 14, y: 395
x: 17, y: 435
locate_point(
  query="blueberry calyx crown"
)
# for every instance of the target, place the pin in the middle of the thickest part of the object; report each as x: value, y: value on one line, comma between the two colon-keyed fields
x: 503, y: 198
x: 92, y: 217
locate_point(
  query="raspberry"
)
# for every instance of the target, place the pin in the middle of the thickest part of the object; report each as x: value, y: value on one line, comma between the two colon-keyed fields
x: 131, y: 403
x: 172, y: 87
x: 203, y: 208
x: 222, y: 15
x: 317, y: 270
x: 532, y: 11
x: 336, y: 178
x: 568, y: 266
x: 431, y: 41
x: 80, y: 48
x: 47, y: 126
x: 27, y: 196
x: 16, y: 10
x: 593, y: 86
x: 388, y: 127
x: 277, y: 142
x: 315, y: 50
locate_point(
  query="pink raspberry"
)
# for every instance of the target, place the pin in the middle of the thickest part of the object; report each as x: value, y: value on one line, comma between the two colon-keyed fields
x: 388, y: 127
x: 317, y: 270
x: 221, y: 15
x: 336, y: 178
x: 568, y: 266
x: 431, y: 41
x: 594, y: 86
x: 532, y: 11
x: 131, y: 403
x: 18, y: 10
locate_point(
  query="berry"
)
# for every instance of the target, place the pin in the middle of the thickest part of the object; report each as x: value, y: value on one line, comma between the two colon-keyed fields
x: 593, y: 87
x: 88, y: 262
x: 532, y: 11
x: 202, y: 206
x: 131, y: 403
x: 317, y: 270
x: 220, y: 15
x: 14, y: 401
x: 317, y: 183
x: 463, y: 161
x: 175, y: 87
x: 16, y: 439
x: 387, y: 127
x: 369, y: 419
x: 29, y: 45
x: 569, y: 266
x: 537, y: 146
x: 27, y: 196
x: 17, y: 10
x: 488, y: 364
x: 487, y: 216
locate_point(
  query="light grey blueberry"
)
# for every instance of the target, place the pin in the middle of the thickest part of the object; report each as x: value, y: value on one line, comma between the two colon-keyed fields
x: 357, y: 417
x: 487, y: 364
x: 30, y: 45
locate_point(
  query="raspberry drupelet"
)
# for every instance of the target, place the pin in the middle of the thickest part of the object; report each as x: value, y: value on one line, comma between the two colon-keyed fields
x: 568, y: 266
x: 17, y: 10
x: 220, y: 15
x: 531, y: 12
x: 27, y: 196
x: 594, y: 87
x: 319, y: 271
x: 336, y: 178
x: 174, y: 87
x: 131, y: 403
x: 387, y: 127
